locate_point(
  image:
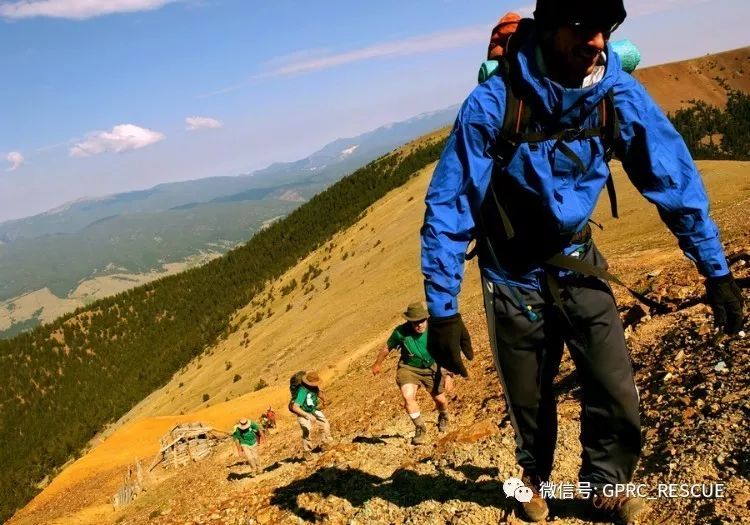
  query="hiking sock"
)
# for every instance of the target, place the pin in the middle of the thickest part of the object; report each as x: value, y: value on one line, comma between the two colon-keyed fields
x: 416, y: 418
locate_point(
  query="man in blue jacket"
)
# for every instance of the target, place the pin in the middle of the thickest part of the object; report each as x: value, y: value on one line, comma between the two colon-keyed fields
x: 527, y: 199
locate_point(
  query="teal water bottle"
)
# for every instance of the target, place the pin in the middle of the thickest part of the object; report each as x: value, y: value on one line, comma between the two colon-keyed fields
x: 487, y: 69
x: 628, y: 53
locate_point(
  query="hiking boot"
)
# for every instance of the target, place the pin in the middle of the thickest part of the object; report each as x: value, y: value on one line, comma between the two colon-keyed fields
x: 535, y: 510
x: 420, y: 436
x: 442, y: 423
x: 621, y: 508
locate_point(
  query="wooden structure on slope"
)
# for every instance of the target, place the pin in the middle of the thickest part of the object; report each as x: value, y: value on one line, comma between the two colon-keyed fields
x: 131, y: 487
x: 186, y: 442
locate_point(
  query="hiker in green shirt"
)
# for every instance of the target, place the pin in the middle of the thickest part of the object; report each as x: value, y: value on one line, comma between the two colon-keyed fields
x: 304, y: 405
x: 417, y: 368
x: 246, y: 435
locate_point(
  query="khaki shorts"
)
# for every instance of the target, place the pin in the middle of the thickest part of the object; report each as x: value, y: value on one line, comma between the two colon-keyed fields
x: 412, y: 375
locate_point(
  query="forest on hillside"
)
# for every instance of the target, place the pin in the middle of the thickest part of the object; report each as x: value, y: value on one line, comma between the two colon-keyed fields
x: 61, y: 383
x: 713, y: 133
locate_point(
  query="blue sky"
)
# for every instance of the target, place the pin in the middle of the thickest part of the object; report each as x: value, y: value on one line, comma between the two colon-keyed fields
x: 103, y: 96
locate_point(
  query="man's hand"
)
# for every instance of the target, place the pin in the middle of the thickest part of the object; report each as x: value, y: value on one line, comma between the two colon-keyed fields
x: 376, y: 369
x: 725, y: 299
x: 447, y: 338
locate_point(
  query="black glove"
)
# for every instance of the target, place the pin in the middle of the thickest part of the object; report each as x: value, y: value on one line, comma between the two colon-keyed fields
x: 447, y: 337
x: 726, y: 301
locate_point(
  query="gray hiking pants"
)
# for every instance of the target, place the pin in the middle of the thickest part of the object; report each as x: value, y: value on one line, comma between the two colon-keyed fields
x: 306, y: 426
x: 527, y: 356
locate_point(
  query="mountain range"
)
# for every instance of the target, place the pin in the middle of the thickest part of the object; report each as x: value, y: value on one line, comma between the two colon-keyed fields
x: 53, y: 262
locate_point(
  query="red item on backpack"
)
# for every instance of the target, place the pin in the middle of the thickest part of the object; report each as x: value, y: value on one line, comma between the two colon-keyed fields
x: 505, y: 27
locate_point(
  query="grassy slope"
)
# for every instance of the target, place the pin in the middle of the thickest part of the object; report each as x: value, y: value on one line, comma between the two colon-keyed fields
x: 341, y: 325
x: 673, y: 84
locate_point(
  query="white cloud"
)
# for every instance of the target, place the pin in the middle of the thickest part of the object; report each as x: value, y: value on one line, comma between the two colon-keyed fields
x: 16, y: 160
x: 311, y: 60
x: 193, y: 123
x: 432, y: 43
x: 76, y: 9
x: 123, y: 137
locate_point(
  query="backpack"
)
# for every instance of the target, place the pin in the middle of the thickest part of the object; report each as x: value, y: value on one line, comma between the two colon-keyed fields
x: 508, y: 36
x: 521, y: 256
x: 295, y: 382
x: 519, y: 116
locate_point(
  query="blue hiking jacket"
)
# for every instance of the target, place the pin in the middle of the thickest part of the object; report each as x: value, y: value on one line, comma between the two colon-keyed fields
x: 652, y: 153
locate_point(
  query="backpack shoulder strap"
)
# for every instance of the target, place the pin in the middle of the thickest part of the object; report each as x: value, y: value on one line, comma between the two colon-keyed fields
x: 515, y: 119
x: 609, y: 123
x: 610, y: 130
x: 517, y: 115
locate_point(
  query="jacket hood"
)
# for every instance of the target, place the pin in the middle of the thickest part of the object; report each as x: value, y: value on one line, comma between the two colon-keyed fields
x: 564, y: 105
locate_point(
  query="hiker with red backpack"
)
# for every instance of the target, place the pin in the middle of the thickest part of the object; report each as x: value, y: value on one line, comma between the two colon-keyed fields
x: 521, y: 173
x: 306, y: 396
x: 268, y: 419
x: 416, y: 368
x: 247, y: 436
x: 271, y: 416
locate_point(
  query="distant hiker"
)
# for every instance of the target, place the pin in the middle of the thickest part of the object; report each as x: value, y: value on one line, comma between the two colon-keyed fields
x: 247, y: 436
x: 268, y: 419
x: 416, y: 368
x: 521, y: 173
x: 304, y: 404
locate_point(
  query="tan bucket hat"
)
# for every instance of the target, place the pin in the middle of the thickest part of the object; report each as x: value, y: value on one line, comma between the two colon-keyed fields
x: 312, y: 379
x: 243, y: 424
x: 416, y: 312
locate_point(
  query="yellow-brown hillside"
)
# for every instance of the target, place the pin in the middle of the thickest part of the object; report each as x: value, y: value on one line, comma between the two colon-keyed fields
x: 674, y: 84
x: 373, y: 270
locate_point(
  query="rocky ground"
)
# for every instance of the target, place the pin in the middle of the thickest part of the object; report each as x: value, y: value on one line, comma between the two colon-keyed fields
x: 694, y: 386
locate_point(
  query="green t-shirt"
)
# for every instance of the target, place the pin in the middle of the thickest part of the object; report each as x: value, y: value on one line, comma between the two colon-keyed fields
x: 413, y: 346
x: 307, y: 399
x: 248, y: 436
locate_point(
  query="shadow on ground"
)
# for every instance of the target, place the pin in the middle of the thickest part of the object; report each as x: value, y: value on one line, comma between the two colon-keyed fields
x: 235, y: 476
x: 376, y: 440
x: 405, y: 488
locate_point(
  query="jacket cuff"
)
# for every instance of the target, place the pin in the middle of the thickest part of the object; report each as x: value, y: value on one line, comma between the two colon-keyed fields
x: 440, y: 303
x: 715, y: 266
